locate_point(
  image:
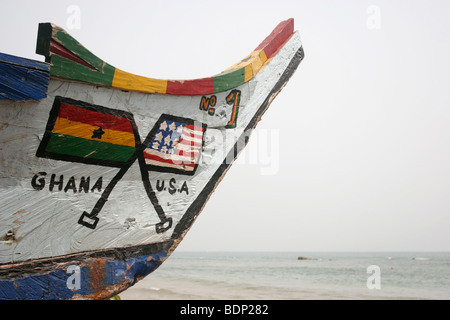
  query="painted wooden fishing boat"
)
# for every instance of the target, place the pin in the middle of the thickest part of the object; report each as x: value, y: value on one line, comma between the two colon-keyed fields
x: 104, y: 171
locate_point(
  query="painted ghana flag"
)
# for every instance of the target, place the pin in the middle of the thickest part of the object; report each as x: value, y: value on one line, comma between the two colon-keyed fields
x: 80, y: 132
x: 174, y: 145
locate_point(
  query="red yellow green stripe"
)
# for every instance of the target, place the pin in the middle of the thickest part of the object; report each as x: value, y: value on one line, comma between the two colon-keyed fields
x: 89, y: 134
x: 85, y: 131
x: 70, y: 60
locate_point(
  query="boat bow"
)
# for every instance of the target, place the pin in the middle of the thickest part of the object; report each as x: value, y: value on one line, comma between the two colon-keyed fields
x: 104, y: 171
x: 70, y: 60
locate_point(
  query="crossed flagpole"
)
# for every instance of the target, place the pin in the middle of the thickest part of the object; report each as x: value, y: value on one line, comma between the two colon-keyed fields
x: 90, y: 220
x: 74, y: 133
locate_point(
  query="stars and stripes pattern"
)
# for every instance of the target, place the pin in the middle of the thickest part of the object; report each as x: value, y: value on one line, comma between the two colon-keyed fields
x: 175, y: 145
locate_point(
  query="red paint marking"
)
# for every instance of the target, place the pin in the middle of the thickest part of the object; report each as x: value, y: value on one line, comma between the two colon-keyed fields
x: 186, y: 142
x: 60, y: 50
x: 98, y: 119
x: 190, y: 164
x: 279, y: 35
x: 199, y: 130
x: 191, y: 87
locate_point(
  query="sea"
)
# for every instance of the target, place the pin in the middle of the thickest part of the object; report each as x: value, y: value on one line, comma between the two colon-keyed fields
x: 297, y: 276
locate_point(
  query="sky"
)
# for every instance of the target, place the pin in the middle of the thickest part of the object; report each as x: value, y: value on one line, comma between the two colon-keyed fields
x: 353, y: 155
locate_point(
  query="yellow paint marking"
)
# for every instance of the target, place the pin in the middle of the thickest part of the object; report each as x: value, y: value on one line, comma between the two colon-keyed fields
x: 86, y: 131
x: 252, y: 63
x: 128, y: 81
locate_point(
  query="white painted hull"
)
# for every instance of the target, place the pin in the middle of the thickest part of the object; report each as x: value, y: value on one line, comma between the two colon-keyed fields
x: 40, y: 222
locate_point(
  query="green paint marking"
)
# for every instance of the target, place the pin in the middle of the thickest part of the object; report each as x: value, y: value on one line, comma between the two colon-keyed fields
x: 85, y: 148
x: 65, y: 68
x: 230, y: 80
x: 73, y: 45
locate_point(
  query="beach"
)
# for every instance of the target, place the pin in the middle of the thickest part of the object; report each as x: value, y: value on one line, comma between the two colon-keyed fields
x: 297, y: 276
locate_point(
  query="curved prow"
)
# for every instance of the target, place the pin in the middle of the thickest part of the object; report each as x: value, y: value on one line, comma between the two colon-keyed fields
x: 71, y: 60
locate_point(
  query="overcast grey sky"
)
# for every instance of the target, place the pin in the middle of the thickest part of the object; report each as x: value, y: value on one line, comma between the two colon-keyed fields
x: 353, y: 155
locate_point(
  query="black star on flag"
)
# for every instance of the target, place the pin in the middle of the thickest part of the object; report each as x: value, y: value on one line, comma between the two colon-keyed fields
x: 98, y: 133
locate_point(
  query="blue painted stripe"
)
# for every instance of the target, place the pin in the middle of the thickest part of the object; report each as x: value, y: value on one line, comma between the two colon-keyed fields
x: 23, y: 79
x: 24, y: 62
x: 95, y: 274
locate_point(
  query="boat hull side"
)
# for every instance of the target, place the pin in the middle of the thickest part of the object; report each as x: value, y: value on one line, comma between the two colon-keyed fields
x: 88, y: 276
x: 197, y: 206
x: 97, y: 263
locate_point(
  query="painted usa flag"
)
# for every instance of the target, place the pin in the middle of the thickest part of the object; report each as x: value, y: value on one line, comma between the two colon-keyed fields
x: 175, y: 146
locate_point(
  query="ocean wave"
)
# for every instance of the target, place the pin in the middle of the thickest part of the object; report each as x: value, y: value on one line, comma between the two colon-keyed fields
x: 282, y: 277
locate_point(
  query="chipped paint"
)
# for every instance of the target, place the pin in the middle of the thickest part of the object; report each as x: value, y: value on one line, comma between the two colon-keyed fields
x: 100, y: 185
x: 100, y: 278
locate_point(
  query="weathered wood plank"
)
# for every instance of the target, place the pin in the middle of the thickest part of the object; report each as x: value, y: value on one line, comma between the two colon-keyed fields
x: 71, y: 60
x: 23, y: 79
x: 99, y: 185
